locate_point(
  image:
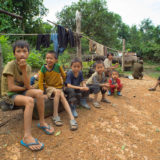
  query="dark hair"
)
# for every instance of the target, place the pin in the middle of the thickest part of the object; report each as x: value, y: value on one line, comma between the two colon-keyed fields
x: 114, y: 71
x: 20, y: 44
x: 98, y: 62
x: 53, y: 53
x: 76, y: 59
x: 109, y: 54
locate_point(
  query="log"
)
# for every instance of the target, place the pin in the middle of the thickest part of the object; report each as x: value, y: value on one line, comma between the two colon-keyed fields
x: 11, y: 14
x: 48, y: 108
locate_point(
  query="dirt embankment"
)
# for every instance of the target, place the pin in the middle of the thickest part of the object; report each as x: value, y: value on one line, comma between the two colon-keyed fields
x: 127, y: 129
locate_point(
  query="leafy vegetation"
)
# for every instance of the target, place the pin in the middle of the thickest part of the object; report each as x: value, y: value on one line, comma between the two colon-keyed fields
x: 98, y: 23
x: 107, y: 28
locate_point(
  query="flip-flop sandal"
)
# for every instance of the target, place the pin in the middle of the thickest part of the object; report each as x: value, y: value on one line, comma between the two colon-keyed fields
x: 105, y: 100
x: 151, y: 89
x: 73, y: 125
x: 96, y: 105
x: 44, y: 128
x: 57, y: 121
x: 32, y: 144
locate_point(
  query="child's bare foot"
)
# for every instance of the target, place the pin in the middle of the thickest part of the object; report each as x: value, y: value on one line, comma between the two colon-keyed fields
x: 32, y: 143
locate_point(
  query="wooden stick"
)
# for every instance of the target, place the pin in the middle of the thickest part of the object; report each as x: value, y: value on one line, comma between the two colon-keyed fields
x: 11, y: 14
x: 84, y: 36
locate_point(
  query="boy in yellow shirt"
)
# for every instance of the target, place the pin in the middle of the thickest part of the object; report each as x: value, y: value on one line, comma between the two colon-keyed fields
x: 53, y: 75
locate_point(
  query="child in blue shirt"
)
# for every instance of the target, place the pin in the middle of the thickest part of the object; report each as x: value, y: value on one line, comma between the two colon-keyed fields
x: 76, y: 87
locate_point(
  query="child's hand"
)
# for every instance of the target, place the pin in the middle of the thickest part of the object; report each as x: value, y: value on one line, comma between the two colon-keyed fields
x: 116, y: 65
x: 105, y: 88
x: 116, y: 85
x: 31, y: 87
x: 22, y: 64
x: 84, y: 88
x: 107, y: 85
x: 45, y: 96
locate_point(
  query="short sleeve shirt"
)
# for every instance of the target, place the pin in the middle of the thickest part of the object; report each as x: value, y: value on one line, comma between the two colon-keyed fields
x: 12, y: 69
x: 71, y: 79
x: 107, y: 63
x: 97, y: 79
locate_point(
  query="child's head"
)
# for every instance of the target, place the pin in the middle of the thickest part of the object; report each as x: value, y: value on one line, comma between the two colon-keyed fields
x: 36, y: 75
x: 76, y: 65
x: 141, y: 61
x: 99, y: 67
x: 21, y: 49
x: 110, y: 56
x: 51, y: 58
x: 115, y: 74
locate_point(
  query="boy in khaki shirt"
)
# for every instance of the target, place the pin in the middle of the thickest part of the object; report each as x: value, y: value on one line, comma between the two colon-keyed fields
x: 16, y: 91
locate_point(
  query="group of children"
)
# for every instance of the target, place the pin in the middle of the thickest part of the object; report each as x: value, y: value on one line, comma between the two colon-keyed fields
x: 68, y: 88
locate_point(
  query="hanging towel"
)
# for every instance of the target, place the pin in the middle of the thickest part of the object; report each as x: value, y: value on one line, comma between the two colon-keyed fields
x: 71, y: 38
x: 62, y: 37
x: 100, y: 49
x: 54, y: 39
x: 44, y: 40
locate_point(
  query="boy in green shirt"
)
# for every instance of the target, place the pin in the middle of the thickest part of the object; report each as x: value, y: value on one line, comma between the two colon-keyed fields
x: 54, y: 76
x: 16, y: 91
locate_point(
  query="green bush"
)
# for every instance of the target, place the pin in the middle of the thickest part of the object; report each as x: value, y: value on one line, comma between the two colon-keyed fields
x: 157, y: 68
x: 7, y: 52
x: 35, y: 60
x: 64, y: 59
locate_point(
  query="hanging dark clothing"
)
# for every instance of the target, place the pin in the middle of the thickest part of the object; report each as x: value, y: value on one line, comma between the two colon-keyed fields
x: 44, y: 40
x: 62, y: 37
x: 71, y: 38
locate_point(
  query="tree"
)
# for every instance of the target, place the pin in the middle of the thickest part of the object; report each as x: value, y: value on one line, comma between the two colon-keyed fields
x: 97, y: 22
x: 31, y: 11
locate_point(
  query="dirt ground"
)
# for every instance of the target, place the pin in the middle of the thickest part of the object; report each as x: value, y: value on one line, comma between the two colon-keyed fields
x: 126, y: 129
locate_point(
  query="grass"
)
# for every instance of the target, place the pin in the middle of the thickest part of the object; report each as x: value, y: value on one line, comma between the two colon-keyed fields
x: 154, y: 75
x: 152, y: 69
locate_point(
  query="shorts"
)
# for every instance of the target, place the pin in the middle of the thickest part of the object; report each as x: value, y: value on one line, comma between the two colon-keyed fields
x: 8, y: 101
x: 51, y: 90
x: 159, y: 79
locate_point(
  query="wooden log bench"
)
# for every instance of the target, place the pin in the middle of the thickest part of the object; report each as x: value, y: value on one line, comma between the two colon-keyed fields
x: 48, y: 108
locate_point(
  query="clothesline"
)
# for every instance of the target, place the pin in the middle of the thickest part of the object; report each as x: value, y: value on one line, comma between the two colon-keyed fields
x: 84, y: 36
x: 23, y: 34
x: 35, y: 34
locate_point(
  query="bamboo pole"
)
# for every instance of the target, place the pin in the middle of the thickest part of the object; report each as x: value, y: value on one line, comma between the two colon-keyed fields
x: 123, y: 54
x: 78, y: 30
x: 1, y: 66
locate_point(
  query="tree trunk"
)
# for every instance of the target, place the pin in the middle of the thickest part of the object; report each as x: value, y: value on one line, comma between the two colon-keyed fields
x: 78, y: 30
x: 123, y: 54
x: 1, y: 66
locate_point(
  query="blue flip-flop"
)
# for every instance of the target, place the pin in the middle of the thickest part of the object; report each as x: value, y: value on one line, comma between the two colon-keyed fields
x: 31, y: 144
x: 44, y: 128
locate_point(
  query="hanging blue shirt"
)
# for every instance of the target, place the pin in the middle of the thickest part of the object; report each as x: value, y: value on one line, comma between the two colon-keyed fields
x: 54, y: 39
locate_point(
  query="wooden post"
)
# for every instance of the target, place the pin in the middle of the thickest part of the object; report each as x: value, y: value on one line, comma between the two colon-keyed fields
x: 78, y: 30
x: 1, y: 66
x: 123, y: 54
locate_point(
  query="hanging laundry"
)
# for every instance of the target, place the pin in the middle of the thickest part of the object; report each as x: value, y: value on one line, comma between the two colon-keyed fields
x: 92, y: 46
x: 71, y: 38
x: 44, y: 40
x: 96, y: 47
x: 54, y: 39
x: 100, y: 49
x: 62, y: 37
